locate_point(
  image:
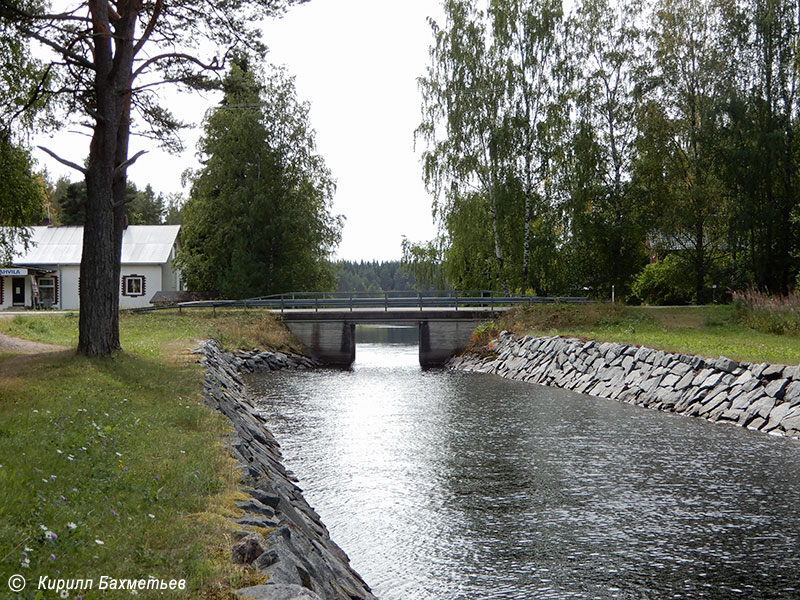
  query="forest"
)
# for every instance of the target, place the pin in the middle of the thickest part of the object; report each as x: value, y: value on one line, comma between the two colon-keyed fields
x: 646, y: 146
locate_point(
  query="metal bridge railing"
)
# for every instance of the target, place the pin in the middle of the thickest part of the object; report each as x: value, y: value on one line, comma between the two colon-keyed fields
x: 351, y: 301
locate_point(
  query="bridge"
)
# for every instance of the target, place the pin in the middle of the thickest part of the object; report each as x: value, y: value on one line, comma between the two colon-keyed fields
x: 326, y: 322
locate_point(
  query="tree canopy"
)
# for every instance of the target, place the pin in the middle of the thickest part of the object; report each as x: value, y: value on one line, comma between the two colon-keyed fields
x: 21, y: 198
x: 565, y: 152
x: 258, y: 218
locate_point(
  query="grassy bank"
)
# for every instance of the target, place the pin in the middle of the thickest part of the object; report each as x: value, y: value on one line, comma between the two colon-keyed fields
x: 115, y: 467
x: 709, y: 331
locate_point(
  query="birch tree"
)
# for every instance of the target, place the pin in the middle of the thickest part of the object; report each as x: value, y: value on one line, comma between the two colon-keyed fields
x: 464, y: 118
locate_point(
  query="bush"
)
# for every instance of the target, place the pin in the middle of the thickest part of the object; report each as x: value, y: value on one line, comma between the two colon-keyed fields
x: 664, y: 282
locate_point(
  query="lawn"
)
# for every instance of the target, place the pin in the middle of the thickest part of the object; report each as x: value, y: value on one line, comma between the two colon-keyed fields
x: 115, y: 467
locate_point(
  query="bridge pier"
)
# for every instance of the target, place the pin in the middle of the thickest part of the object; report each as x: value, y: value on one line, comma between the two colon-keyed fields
x: 330, y: 342
x: 440, y: 340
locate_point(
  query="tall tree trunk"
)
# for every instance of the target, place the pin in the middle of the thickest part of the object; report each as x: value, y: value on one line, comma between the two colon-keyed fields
x: 498, y: 250
x: 105, y: 182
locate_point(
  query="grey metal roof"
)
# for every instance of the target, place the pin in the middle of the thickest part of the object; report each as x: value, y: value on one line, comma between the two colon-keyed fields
x: 141, y: 244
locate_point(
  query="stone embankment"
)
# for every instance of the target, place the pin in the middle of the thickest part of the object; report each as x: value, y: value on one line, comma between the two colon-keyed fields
x: 279, y: 533
x: 758, y: 396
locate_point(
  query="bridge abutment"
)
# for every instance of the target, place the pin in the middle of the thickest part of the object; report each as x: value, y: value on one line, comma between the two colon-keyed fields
x: 330, y: 342
x: 441, y: 340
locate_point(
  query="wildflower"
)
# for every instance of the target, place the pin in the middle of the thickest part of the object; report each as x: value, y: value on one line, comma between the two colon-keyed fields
x: 63, y: 498
x: 99, y: 542
x: 70, y: 457
x: 44, y: 528
x: 151, y: 516
x: 52, y: 536
x: 52, y: 477
x: 118, y: 454
x: 52, y: 557
x: 71, y: 525
x: 59, y: 451
x: 113, y: 513
x: 26, y: 563
x: 64, y: 594
x: 28, y: 549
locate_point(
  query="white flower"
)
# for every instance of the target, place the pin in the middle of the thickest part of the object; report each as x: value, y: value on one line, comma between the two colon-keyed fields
x: 151, y: 516
x: 64, y: 594
x: 118, y: 454
x: 28, y: 549
x: 134, y: 593
x: 70, y: 457
x: 59, y: 451
x: 26, y: 562
x: 44, y: 527
x: 71, y: 526
x: 99, y: 542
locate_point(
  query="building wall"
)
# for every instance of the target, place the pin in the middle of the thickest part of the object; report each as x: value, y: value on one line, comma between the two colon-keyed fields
x: 152, y: 278
x: 6, y: 296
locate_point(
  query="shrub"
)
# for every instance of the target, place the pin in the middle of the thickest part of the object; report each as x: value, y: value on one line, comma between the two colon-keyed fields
x: 664, y: 282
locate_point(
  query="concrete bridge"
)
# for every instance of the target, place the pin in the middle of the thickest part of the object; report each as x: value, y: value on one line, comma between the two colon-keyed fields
x: 330, y: 334
x: 325, y: 321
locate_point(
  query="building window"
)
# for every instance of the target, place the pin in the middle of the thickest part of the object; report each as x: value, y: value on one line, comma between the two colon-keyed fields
x: 48, y: 295
x: 133, y: 285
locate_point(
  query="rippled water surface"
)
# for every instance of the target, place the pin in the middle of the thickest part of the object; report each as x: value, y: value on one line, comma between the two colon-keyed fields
x: 444, y: 485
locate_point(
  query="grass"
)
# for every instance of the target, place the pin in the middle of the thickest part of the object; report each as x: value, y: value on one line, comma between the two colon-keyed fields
x: 709, y: 331
x: 148, y: 333
x: 115, y: 466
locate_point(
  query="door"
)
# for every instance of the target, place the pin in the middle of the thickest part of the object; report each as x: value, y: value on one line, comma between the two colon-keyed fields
x: 18, y: 291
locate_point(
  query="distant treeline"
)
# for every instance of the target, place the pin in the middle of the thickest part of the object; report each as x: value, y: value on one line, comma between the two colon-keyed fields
x: 372, y: 276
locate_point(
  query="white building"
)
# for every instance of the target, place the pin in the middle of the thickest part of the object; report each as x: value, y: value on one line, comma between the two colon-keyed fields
x: 48, y: 273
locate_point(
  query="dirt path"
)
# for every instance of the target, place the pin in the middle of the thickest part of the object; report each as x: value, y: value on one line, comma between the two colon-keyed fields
x: 16, y: 352
x: 14, y: 345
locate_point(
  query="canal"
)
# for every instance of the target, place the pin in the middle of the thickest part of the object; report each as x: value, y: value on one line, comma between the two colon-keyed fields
x: 444, y: 485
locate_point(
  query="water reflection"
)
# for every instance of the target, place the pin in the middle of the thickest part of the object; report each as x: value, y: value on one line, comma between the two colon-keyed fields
x: 442, y: 485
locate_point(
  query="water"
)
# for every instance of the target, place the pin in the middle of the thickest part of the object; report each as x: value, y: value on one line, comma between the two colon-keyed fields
x: 443, y: 485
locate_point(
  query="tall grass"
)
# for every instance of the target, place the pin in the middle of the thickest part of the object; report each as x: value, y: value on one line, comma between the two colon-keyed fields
x: 768, y: 313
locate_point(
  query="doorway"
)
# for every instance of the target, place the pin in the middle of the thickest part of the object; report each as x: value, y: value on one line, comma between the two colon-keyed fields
x: 18, y: 291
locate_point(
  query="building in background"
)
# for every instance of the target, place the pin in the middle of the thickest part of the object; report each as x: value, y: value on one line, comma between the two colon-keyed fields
x: 48, y: 273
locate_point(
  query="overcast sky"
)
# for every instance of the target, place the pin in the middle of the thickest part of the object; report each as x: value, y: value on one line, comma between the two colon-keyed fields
x: 356, y: 62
